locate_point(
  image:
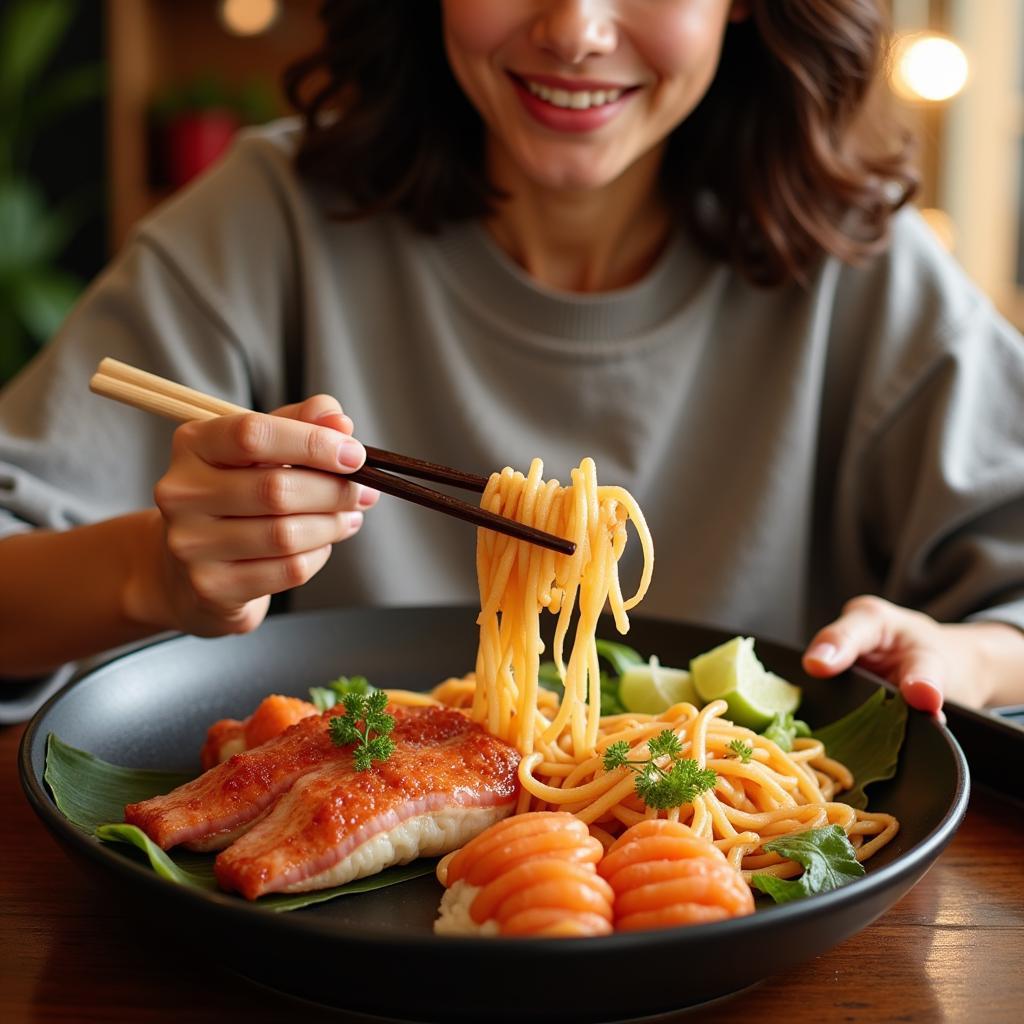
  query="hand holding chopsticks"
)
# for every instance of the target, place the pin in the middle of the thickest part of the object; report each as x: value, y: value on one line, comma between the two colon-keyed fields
x: 147, y: 391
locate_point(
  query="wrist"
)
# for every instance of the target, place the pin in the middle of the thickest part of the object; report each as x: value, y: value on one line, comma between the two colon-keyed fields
x: 146, y: 589
x: 996, y: 672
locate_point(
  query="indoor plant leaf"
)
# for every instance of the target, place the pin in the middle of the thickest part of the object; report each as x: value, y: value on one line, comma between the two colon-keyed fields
x: 67, y: 91
x: 29, y: 34
x: 43, y: 298
x: 27, y: 237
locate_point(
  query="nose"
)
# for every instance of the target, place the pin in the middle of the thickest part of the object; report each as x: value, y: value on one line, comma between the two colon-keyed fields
x: 573, y: 30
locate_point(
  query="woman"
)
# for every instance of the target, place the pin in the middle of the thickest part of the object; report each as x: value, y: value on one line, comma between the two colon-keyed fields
x: 648, y: 232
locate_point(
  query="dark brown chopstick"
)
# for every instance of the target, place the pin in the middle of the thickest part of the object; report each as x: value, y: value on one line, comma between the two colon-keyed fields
x: 151, y: 393
x: 381, y: 459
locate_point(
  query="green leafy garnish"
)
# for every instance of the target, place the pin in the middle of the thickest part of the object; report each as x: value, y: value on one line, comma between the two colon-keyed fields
x: 867, y: 741
x: 367, y: 710
x: 91, y: 794
x: 661, y: 788
x: 619, y: 656
x: 784, y: 728
x: 744, y: 751
x: 325, y: 697
x: 828, y: 859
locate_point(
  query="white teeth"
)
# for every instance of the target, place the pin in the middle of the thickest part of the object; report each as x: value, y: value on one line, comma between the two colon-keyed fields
x: 577, y: 100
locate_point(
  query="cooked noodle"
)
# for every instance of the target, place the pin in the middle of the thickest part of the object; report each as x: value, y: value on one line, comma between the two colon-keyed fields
x: 562, y: 743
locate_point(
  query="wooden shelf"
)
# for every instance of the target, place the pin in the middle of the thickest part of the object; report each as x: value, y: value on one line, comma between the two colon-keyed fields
x: 154, y: 45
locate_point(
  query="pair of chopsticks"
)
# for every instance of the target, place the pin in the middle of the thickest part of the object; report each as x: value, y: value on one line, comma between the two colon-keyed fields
x: 147, y: 391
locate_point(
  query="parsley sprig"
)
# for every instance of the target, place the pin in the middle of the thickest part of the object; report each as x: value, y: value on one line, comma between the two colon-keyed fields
x: 366, y: 710
x: 744, y: 751
x: 325, y: 697
x: 681, y: 783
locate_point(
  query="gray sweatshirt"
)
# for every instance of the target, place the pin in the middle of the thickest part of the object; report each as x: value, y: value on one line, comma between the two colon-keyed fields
x: 791, y: 448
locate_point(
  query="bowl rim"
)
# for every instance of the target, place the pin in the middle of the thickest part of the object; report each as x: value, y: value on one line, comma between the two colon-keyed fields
x: 230, y: 909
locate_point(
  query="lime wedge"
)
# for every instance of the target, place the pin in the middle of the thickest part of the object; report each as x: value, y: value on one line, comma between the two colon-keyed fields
x: 732, y: 672
x: 649, y: 689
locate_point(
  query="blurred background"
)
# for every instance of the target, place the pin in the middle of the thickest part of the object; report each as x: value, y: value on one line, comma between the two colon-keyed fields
x: 107, y: 107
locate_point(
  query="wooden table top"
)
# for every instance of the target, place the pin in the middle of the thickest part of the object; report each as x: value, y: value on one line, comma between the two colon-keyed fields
x: 951, y: 950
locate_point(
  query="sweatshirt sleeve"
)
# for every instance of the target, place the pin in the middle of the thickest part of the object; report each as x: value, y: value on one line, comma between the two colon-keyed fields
x: 178, y: 302
x: 932, y: 505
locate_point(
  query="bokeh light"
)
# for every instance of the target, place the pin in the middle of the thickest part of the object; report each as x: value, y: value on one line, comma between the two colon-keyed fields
x: 928, y: 66
x: 248, y: 17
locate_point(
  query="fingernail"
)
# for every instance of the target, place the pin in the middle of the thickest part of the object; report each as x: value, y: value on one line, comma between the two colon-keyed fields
x: 355, y: 520
x: 368, y: 497
x: 923, y: 694
x: 825, y: 653
x: 351, y: 454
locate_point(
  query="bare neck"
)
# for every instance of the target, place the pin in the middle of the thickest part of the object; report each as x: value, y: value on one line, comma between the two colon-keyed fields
x: 582, y: 241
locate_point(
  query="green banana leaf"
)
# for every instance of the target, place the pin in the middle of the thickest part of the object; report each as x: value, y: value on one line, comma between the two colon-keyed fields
x: 91, y: 794
x: 882, y: 718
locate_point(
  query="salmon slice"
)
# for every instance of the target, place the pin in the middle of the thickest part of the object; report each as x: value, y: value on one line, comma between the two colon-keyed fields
x: 272, y: 716
x: 446, y: 781
x: 211, y: 811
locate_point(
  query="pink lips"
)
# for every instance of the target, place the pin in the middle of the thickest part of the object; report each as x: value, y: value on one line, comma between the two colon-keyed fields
x: 562, y: 119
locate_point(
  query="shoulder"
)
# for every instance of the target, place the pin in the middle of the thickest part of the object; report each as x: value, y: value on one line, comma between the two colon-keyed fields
x: 248, y: 191
x: 906, y: 322
x: 912, y: 304
x: 914, y: 287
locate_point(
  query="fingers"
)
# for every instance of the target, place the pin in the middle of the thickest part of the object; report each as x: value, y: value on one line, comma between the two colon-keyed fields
x: 862, y: 628
x: 252, y: 438
x: 234, y: 539
x: 322, y: 409
x: 919, y: 676
x: 252, y: 505
x: 228, y: 584
x: 267, y: 490
x: 900, y: 644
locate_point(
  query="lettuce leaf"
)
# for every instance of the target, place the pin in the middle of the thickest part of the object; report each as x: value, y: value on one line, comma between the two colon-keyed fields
x: 828, y: 858
x: 91, y: 794
x: 867, y: 741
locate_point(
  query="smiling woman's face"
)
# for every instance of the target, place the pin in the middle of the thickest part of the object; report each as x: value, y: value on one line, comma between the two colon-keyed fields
x: 574, y: 92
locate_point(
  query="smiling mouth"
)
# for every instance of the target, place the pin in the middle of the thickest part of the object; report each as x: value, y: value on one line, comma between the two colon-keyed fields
x: 572, y: 99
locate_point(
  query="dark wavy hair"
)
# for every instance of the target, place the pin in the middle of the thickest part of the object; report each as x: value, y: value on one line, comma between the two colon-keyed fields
x: 771, y: 171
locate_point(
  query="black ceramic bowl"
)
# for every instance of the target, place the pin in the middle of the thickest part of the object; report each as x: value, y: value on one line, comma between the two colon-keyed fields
x: 152, y: 708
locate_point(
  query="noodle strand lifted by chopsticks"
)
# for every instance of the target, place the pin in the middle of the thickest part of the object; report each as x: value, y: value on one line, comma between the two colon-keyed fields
x: 772, y: 793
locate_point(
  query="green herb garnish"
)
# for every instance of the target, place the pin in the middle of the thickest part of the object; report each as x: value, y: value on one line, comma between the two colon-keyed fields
x: 744, y: 751
x: 784, y: 728
x: 325, y: 697
x: 619, y: 656
x: 369, y: 711
x: 658, y: 787
x: 828, y: 858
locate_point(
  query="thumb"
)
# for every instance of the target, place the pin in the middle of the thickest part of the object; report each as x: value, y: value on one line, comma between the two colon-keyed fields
x: 920, y: 680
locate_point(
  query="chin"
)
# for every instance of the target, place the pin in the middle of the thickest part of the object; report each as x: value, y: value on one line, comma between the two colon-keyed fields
x: 576, y: 175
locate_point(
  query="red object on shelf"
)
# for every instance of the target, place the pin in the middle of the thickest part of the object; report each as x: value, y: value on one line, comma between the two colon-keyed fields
x: 195, y: 140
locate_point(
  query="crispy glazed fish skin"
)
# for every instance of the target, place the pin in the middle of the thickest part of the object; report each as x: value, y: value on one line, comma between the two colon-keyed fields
x: 445, y: 782
x: 211, y: 811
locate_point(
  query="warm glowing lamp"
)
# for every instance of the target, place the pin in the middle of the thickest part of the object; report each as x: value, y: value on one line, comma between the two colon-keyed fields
x: 929, y: 67
x: 248, y: 17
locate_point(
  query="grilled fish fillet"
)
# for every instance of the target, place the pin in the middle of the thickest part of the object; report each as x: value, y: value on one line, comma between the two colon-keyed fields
x: 211, y: 811
x: 446, y: 781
